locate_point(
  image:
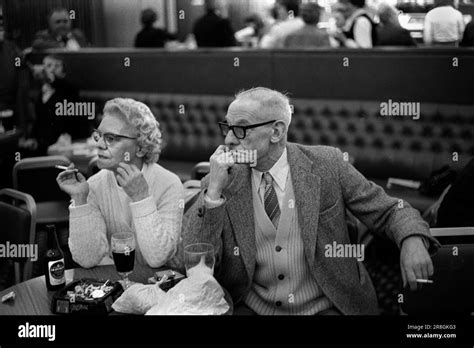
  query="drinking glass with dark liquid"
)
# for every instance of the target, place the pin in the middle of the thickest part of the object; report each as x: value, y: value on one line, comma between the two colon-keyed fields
x: 123, y: 252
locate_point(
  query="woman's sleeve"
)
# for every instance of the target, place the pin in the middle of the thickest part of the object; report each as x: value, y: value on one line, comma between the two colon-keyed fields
x: 158, y: 224
x: 87, y: 233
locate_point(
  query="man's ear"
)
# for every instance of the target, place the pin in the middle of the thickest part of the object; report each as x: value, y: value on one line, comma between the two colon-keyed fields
x: 279, y: 131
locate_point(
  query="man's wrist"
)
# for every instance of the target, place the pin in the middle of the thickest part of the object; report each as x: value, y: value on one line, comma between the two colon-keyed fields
x: 213, y: 194
x: 421, y: 238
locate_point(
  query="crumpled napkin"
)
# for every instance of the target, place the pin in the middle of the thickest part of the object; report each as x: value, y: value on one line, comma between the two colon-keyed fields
x: 138, y: 299
x: 199, y: 294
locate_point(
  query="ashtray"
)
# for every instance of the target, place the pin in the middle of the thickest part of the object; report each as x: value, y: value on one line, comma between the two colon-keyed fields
x: 86, y: 296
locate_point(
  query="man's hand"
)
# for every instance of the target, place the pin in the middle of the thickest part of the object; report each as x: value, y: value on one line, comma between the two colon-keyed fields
x: 220, y: 162
x: 131, y: 179
x: 415, y: 262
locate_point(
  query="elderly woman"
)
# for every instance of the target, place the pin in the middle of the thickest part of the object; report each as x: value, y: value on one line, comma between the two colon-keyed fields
x: 131, y: 193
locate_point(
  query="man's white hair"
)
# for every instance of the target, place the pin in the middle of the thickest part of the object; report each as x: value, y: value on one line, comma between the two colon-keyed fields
x: 273, y: 102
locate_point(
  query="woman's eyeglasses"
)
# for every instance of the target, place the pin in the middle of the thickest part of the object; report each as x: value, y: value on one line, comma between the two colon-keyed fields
x: 109, y: 138
x: 240, y: 132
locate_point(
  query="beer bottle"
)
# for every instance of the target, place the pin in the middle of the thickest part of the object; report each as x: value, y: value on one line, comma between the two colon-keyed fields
x: 54, y: 262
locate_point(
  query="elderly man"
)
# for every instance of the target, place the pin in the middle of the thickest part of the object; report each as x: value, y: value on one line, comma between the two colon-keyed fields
x: 59, y: 34
x: 271, y: 225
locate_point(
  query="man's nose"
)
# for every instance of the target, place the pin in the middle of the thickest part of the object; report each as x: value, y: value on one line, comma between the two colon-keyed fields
x: 230, y: 139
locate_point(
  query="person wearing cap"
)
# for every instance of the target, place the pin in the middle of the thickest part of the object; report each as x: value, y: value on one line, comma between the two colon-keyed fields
x: 130, y: 193
x: 271, y: 224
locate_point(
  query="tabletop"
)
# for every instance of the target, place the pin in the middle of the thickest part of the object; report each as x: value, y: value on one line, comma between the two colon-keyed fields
x: 32, y: 297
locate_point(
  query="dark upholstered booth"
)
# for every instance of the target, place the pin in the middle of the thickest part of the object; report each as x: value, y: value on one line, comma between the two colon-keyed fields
x: 381, y: 147
x: 336, y: 94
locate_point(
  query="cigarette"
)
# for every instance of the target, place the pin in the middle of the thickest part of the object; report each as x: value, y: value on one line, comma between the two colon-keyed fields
x: 424, y: 281
x: 8, y: 297
x: 64, y: 168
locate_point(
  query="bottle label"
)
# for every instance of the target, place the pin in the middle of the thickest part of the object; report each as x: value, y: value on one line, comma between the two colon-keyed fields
x: 56, y: 272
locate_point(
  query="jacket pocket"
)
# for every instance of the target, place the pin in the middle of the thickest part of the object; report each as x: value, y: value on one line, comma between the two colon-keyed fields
x: 329, y: 213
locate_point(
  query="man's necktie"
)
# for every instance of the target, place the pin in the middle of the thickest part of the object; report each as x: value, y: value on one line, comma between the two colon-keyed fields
x: 271, y: 200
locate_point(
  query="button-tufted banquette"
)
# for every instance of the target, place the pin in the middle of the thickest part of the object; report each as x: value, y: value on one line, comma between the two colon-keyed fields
x: 381, y: 146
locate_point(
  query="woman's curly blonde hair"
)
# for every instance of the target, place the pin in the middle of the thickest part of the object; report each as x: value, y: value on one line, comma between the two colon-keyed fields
x: 139, y: 116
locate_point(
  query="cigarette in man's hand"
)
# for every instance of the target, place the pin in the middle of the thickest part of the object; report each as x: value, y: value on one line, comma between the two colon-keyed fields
x: 424, y: 281
x: 65, y: 168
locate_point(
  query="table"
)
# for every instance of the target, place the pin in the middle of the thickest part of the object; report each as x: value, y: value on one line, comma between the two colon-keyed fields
x: 32, y: 297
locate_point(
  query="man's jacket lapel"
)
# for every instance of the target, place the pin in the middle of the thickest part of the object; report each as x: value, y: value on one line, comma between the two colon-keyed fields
x: 241, y: 215
x: 307, y: 188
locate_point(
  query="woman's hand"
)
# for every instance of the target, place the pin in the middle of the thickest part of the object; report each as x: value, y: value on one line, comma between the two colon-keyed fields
x: 131, y: 179
x: 74, y: 184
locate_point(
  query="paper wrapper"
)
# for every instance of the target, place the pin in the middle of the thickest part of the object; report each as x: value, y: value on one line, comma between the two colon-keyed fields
x: 200, y: 294
x: 138, y: 299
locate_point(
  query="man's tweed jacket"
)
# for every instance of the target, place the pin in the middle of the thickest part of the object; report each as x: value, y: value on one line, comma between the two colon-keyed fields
x: 325, y: 186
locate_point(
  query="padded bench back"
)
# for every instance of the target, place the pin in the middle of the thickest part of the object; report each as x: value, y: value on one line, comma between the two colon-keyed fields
x: 382, y: 146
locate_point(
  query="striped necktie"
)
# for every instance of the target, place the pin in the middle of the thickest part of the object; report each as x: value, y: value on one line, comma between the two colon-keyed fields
x: 271, y: 200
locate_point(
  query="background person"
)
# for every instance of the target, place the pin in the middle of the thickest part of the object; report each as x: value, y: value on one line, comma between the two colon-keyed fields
x: 457, y: 207
x: 310, y: 36
x: 212, y: 30
x: 150, y: 36
x: 468, y: 36
x: 60, y: 33
x: 288, y: 21
x: 55, y: 88
x: 389, y: 31
x: 251, y: 35
x: 131, y: 193
x: 359, y: 28
x: 444, y: 25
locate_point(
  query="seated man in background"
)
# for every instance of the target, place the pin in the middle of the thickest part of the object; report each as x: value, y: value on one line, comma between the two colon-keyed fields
x: 150, y: 36
x: 50, y: 124
x: 310, y: 36
x: 389, y: 31
x: 60, y: 34
x: 273, y: 226
x: 131, y: 193
x: 457, y: 207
